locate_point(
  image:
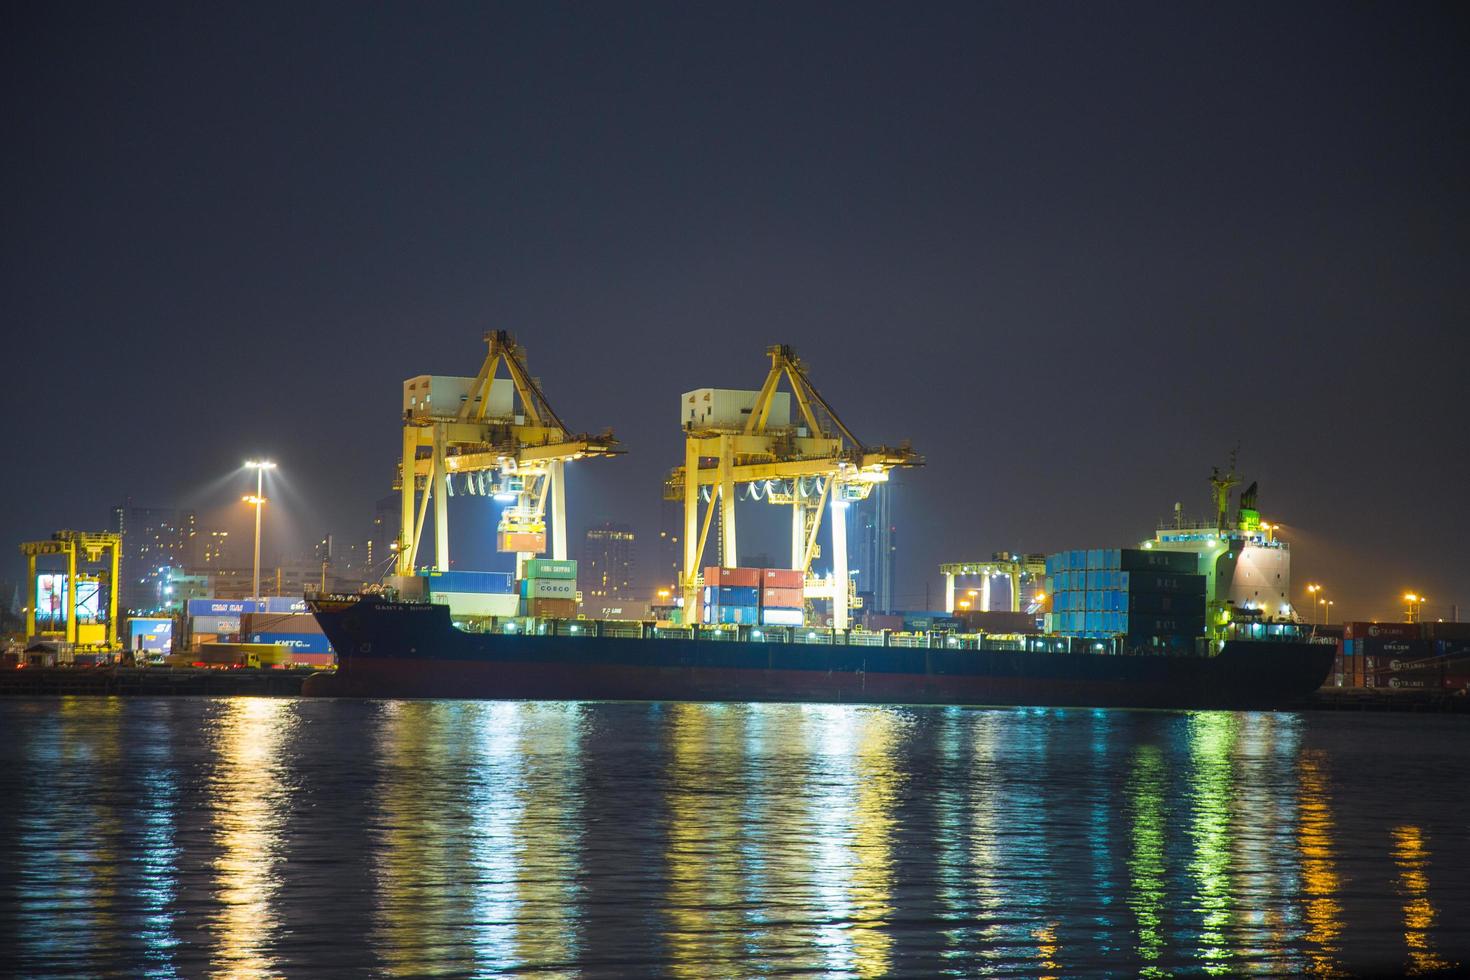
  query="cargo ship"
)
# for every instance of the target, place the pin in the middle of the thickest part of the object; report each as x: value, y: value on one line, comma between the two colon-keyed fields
x: 1198, y: 616
x: 391, y: 648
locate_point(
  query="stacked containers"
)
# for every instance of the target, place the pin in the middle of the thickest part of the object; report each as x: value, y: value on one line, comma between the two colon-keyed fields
x: 299, y: 633
x: 732, y: 595
x: 549, y: 589
x: 782, y: 597
x: 1452, y: 651
x: 1148, y: 595
x: 1394, y: 655
x: 473, y: 593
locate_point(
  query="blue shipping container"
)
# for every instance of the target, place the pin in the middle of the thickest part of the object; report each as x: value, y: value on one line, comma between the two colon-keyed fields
x: 223, y: 607
x: 731, y: 615
x: 300, y: 642
x: 732, y: 595
x: 501, y: 583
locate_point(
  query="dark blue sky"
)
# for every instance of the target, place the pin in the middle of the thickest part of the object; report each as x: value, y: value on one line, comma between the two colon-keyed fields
x: 1074, y: 252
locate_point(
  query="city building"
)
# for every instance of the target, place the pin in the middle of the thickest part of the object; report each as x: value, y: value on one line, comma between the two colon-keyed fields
x: 154, y: 539
x: 871, y: 547
x: 606, y: 573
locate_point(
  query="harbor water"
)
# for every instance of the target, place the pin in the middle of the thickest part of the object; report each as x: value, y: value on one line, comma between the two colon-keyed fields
x: 282, y: 837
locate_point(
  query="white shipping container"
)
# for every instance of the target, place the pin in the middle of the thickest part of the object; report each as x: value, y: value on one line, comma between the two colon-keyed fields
x: 551, y: 588
x: 443, y: 395
x: 781, y: 617
x: 478, y: 603
x: 730, y: 408
x: 214, y: 624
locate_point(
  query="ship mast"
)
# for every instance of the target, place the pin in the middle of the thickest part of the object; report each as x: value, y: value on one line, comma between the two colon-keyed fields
x: 1222, y: 482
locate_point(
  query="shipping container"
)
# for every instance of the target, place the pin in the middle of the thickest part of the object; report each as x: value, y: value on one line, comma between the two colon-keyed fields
x: 1160, y: 603
x: 783, y: 578
x: 278, y: 623
x: 1162, y: 582
x: 793, y: 617
x: 550, y: 568
x: 1446, y: 631
x: 479, y: 603
x: 1402, y: 631
x: 745, y: 577
x: 530, y: 542
x: 732, y: 615
x: 305, y: 642
x: 781, y: 598
x: 1158, y: 560
x: 552, y: 608
x: 222, y: 607
x: 549, y: 588
x: 732, y: 595
x: 214, y: 624
x: 471, y: 581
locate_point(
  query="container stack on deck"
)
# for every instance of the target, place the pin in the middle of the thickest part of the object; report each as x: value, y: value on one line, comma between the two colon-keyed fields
x: 1404, y: 656
x: 1151, y: 596
x: 549, y: 589
x: 473, y: 593
x: 782, y: 596
x: 732, y: 595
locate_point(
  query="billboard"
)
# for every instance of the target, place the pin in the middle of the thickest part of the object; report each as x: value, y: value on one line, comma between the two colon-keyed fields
x: 50, y: 601
x: 150, y: 635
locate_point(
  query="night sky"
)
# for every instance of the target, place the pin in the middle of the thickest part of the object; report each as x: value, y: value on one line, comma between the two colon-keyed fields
x: 1074, y: 252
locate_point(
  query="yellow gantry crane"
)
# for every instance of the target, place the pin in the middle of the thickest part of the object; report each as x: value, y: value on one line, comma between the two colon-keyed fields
x: 1002, y: 563
x: 505, y: 438
x: 810, y: 463
x: 95, y: 547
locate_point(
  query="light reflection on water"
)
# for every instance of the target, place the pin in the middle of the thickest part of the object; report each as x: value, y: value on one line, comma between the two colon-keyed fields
x: 245, y: 837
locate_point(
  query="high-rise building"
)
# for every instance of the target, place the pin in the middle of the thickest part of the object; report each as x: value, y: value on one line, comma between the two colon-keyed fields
x: 871, y: 546
x: 605, y: 575
x: 670, y: 545
x: 386, y: 518
x: 154, y: 539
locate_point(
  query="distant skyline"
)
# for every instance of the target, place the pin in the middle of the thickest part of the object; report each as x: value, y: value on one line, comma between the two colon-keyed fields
x: 1074, y: 253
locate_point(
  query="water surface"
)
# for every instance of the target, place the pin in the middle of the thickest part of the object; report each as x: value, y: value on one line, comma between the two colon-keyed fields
x: 263, y: 837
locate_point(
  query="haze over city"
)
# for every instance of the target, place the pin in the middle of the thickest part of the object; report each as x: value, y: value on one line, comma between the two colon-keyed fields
x: 1074, y: 257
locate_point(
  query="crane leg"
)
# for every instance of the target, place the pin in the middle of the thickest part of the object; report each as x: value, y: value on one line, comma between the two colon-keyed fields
x: 985, y: 593
x: 1015, y: 592
x: 441, y: 504
x: 691, y: 532
x: 406, y: 533
x: 798, y: 533
x: 557, y: 475
x: 948, y: 592
x: 730, y: 556
x: 839, y: 563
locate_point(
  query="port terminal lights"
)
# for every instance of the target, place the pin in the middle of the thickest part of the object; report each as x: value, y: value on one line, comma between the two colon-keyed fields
x: 811, y: 463
x: 508, y: 443
x: 1413, y: 605
x: 257, y: 500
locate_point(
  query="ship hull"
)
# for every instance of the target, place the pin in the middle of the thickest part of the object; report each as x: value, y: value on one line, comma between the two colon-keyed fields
x: 413, y: 651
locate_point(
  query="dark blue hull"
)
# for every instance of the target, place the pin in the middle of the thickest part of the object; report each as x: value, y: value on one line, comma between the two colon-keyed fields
x: 390, y: 649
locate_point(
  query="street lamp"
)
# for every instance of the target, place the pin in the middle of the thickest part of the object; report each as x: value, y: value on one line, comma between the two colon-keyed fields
x: 257, y: 500
x: 1415, y: 602
x: 1312, y: 591
x: 1326, y: 605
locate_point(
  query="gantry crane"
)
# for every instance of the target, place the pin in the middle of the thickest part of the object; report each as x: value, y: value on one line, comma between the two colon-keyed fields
x: 504, y: 436
x: 809, y: 463
x: 96, y: 547
x: 1014, y: 567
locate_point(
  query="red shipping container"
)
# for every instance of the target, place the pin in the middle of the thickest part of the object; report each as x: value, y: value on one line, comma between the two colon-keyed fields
x: 744, y: 577
x: 1400, y: 631
x: 783, y: 578
x: 552, y: 608
x: 781, y: 598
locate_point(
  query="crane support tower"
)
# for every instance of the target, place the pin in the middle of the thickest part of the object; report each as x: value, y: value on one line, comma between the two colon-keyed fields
x: 94, y: 547
x: 504, y: 438
x: 1002, y: 563
x: 811, y: 463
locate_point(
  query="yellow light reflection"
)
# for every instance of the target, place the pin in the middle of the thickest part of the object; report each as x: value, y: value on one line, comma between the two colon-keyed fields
x: 1411, y: 855
x: 1146, y: 859
x: 247, y: 803
x: 1319, y: 874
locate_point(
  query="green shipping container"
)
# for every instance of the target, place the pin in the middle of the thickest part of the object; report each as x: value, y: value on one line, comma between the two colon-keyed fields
x: 550, y: 568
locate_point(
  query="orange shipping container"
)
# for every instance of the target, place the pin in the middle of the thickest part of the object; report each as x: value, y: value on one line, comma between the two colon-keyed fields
x: 783, y: 578
x: 552, y: 608
x: 532, y: 542
x: 745, y: 577
x: 781, y: 598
